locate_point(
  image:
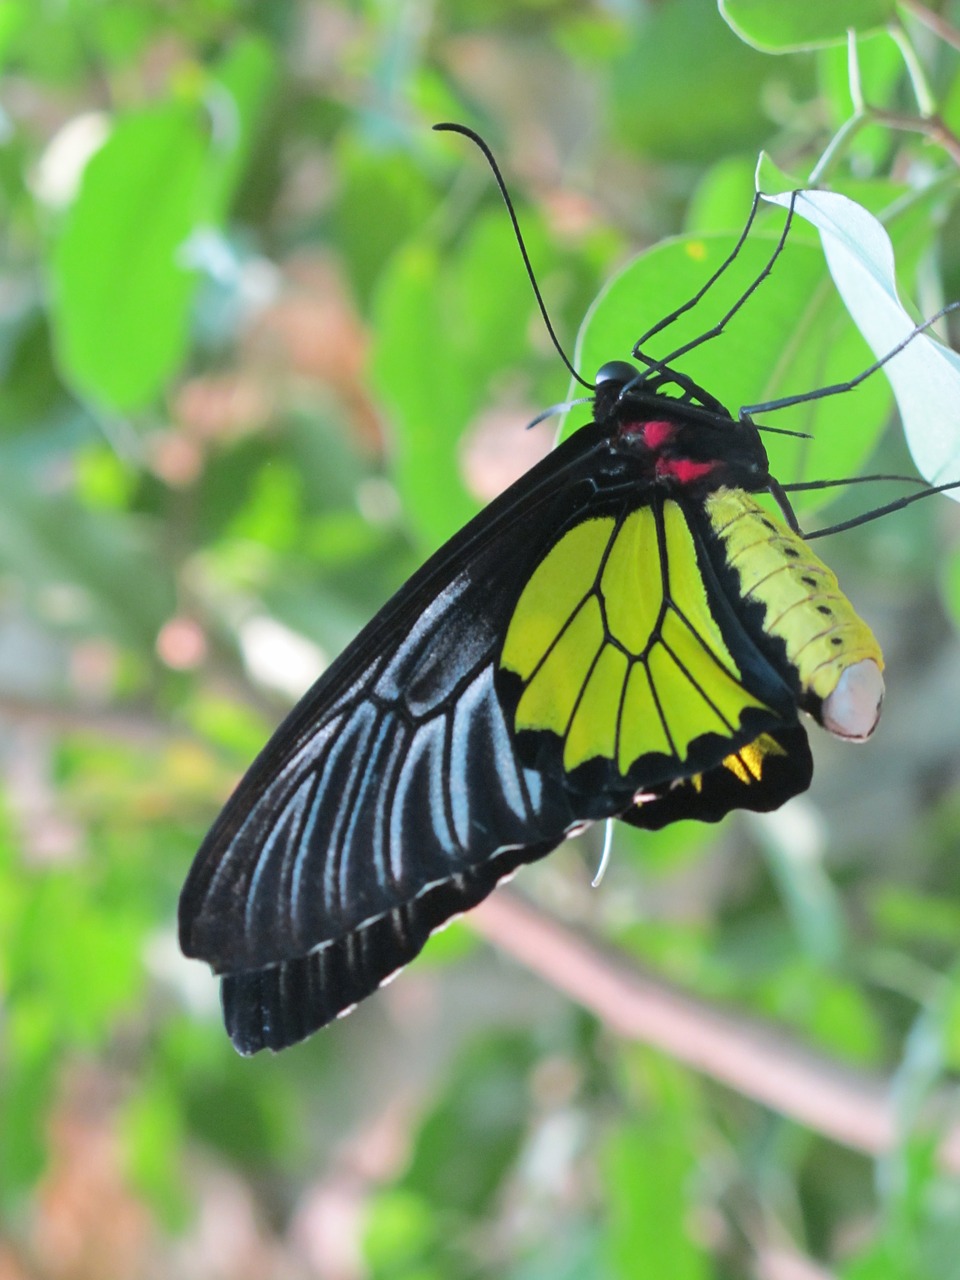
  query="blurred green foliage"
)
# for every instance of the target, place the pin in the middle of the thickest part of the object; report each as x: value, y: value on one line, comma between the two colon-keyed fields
x: 266, y: 340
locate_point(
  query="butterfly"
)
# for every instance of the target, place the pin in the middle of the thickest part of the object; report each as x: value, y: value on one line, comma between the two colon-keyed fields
x: 626, y: 632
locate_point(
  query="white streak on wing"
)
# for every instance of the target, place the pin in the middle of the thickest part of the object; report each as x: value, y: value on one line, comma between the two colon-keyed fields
x: 503, y: 752
x: 347, y: 742
x: 302, y: 846
x: 303, y: 850
x: 388, y: 687
x: 382, y: 820
x: 294, y: 768
x: 290, y: 817
x: 333, y: 755
x: 435, y: 732
x: 347, y: 810
x: 370, y: 763
x: 420, y: 744
x: 468, y: 707
x: 534, y: 784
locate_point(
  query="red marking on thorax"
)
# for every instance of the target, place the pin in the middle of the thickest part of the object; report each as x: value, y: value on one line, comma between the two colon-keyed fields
x: 656, y: 434
x: 683, y: 469
x: 653, y: 434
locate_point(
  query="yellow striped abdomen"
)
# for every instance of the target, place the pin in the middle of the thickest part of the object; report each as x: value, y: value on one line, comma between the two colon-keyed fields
x: 803, y: 605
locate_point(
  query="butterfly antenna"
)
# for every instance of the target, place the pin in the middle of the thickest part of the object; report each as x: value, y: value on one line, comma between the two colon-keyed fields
x: 475, y: 138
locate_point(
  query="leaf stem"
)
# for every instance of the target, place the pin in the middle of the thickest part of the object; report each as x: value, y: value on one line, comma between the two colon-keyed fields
x: 918, y: 77
x: 935, y: 21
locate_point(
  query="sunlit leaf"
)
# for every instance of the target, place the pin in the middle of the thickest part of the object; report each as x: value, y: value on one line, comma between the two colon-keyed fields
x: 121, y: 289
x: 925, y: 375
x: 778, y: 28
x: 791, y: 336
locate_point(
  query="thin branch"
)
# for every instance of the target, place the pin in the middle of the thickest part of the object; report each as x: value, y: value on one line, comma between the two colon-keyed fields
x: 932, y: 128
x: 937, y: 24
x: 914, y: 68
x: 785, y: 1264
x: 853, y: 74
x: 140, y: 727
x: 834, y: 148
x: 849, y: 1106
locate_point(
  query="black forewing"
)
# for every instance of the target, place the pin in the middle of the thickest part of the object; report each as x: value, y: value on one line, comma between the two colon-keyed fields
x: 391, y: 797
x: 278, y: 1005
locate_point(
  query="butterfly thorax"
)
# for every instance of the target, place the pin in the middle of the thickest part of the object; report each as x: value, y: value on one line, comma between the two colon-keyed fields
x: 685, y: 443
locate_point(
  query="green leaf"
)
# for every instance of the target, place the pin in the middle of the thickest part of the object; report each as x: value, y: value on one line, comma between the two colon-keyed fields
x: 792, y: 336
x: 121, y: 290
x: 26, y: 1097
x: 446, y: 326
x: 84, y: 570
x: 663, y: 80
x: 473, y: 1134
x: 722, y: 197
x: 31, y: 394
x: 383, y: 200
x: 14, y: 18
x: 247, y: 75
x: 152, y: 1129
x: 399, y: 1230
x: 648, y: 1170
x: 412, y: 367
x: 93, y: 971
x: 776, y: 27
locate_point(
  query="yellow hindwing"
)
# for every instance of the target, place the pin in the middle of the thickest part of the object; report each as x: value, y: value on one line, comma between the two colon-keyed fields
x: 617, y: 647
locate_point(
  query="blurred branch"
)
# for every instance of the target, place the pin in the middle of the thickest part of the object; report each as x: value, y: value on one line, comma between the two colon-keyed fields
x: 783, y: 1264
x: 936, y: 23
x: 848, y: 1106
x: 135, y: 727
x: 931, y: 127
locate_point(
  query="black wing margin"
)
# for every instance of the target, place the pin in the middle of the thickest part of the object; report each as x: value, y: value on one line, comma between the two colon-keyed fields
x: 760, y: 777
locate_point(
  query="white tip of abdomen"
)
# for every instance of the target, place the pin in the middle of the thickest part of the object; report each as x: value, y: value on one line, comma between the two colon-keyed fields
x: 853, y: 709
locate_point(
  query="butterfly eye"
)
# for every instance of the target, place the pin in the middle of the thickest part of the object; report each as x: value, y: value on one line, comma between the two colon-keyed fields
x: 616, y: 371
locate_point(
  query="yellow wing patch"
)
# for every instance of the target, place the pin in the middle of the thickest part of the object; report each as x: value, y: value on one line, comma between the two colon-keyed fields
x: 747, y: 764
x: 617, y: 647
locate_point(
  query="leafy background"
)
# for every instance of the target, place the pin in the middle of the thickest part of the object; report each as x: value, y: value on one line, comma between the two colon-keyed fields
x: 265, y: 341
